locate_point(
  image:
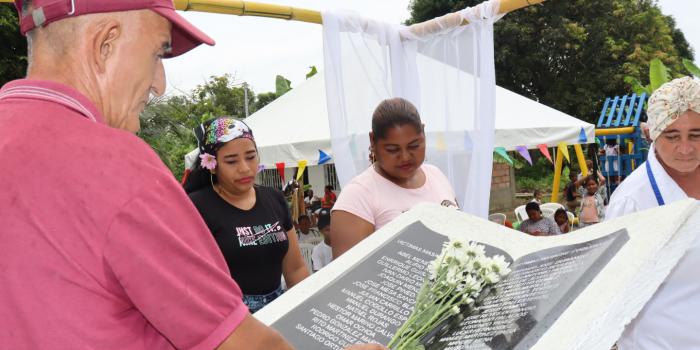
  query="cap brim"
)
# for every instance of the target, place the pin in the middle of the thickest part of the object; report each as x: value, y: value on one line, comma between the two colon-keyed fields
x: 185, y: 36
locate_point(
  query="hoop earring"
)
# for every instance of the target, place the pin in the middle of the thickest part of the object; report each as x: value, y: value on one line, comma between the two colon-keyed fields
x: 211, y: 180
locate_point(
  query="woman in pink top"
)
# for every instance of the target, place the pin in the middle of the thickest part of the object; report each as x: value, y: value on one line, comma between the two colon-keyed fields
x: 395, y: 182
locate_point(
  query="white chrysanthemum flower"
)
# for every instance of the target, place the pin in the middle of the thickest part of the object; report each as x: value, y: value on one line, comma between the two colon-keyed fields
x: 471, y: 283
x: 475, y: 250
x: 433, y: 269
x: 492, y: 277
x: 453, y: 276
x: 480, y: 263
x: 499, y: 265
x: 458, y: 244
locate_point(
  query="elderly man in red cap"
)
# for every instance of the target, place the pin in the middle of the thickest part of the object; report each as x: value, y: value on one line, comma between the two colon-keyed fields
x: 100, y: 248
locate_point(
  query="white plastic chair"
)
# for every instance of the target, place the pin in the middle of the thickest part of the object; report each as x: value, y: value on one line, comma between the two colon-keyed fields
x: 498, y: 218
x: 520, y: 213
x: 552, y: 205
x: 306, y: 252
x: 548, y: 212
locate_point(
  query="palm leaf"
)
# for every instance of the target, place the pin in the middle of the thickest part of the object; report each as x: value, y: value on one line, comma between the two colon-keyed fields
x: 658, y: 74
x: 691, y: 67
x: 636, y: 85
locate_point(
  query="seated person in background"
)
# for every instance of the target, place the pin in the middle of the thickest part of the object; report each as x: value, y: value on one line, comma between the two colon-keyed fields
x: 571, y: 194
x: 536, y: 224
x: 329, y: 198
x: 562, y: 220
x: 307, y: 234
x: 311, y: 201
x: 592, y: 203
x: 397, y: 180
x: 322, y: 253
x: 537, y: 197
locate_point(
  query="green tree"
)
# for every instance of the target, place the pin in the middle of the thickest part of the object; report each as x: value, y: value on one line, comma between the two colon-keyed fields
x: 222, y: 96
x: 13, y: 51
x: 570, y: 55
x: 264, y: 99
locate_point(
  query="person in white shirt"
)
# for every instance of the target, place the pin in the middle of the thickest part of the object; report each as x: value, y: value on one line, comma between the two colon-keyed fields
x: 322, y: 253
x: 670, y: 320
x: 306, y: 233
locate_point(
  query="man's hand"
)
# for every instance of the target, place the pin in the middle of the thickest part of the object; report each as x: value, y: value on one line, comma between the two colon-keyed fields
x: 367, y: 347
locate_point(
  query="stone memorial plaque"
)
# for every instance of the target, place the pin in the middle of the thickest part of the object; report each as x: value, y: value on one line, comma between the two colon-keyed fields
x: 527, y: 302
x: 369, y: 302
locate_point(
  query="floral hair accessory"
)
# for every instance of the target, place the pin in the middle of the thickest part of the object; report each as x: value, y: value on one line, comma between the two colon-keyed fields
x: 208, y: 161
x: 671, y: 100
x: 225, y: 129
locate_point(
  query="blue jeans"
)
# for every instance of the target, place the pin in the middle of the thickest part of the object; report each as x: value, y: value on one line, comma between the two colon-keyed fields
x: 257, y: 302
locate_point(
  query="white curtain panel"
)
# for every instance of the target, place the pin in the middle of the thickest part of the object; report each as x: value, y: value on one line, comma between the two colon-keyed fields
x: 446, y: 69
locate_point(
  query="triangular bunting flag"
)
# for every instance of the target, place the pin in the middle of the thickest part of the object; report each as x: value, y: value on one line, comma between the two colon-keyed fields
x: 524, y: 153
x: 302, y: 166
x: 261, y: 167
x: 323, y: 157
x: 564, y: 149
x: 280, y: 170
x: 545, y: 151
x: 501, y: 151
x: 440, y: 143
x: 582, y: 136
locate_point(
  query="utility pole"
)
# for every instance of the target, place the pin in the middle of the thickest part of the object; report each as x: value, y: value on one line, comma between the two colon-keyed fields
x: 245, y: 94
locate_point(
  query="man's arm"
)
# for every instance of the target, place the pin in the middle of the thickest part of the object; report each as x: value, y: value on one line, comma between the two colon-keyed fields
x: 253, y: 335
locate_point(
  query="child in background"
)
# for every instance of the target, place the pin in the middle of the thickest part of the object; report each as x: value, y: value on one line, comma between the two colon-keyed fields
x: 592, y: 204
x: 612, y: 152
x: 562, y: 220
x: 537, y: 197
x: 322, y: 253
x: 305, y: 232
x: 571, y: 193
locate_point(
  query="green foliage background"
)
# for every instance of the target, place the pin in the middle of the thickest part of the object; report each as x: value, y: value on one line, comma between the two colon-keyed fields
x: 13, y: 47
x: 571, y: 54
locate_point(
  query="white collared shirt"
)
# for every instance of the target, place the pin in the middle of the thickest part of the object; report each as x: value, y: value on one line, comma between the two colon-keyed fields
x: 671, y: 319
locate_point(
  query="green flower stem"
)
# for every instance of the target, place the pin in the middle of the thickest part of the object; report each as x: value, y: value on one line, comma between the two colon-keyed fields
x: 444, y: 306
x: 430, y: 322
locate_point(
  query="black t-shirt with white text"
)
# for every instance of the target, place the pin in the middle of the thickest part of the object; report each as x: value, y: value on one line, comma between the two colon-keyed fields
x: 253, y: 242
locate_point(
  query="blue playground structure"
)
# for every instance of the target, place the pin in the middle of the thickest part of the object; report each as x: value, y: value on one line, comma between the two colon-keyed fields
x: 618, y: 124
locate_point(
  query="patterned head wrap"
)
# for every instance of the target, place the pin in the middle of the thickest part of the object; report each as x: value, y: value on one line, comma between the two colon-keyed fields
x: 671, y: 100
x: 213, y: 134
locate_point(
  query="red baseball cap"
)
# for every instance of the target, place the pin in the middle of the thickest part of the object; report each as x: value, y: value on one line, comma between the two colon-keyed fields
x: 185, y: 36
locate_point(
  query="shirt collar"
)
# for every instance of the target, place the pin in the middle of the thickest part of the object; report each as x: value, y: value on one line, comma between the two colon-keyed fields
x: 667, y: 186
x: 54, y: 92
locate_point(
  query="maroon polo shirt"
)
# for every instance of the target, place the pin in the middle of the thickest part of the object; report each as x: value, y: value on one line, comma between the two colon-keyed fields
x: 100, y: 248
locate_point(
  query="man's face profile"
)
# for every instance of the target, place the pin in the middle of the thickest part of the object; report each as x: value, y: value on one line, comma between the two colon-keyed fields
x: 134, y: 68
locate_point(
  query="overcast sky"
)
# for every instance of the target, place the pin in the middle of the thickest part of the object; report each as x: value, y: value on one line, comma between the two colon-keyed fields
x: 256, y: 49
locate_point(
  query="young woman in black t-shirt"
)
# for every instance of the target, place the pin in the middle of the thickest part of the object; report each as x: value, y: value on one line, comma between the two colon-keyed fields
x: 251, y: 224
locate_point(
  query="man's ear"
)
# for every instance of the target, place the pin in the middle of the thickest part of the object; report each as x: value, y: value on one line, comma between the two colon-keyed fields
x: 105, y: 35
x: 371, y: 139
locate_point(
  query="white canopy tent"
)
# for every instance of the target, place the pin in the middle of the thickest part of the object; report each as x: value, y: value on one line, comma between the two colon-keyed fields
x: 295, y: 126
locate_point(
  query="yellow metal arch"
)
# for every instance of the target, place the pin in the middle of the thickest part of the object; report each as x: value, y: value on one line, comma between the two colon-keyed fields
x: 247, y: 8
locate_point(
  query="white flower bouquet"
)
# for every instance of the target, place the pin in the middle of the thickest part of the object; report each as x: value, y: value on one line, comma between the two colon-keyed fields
x: 458, y: 280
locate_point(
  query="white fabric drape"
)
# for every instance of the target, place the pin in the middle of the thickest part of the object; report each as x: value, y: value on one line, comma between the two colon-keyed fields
x: 444, y: 68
